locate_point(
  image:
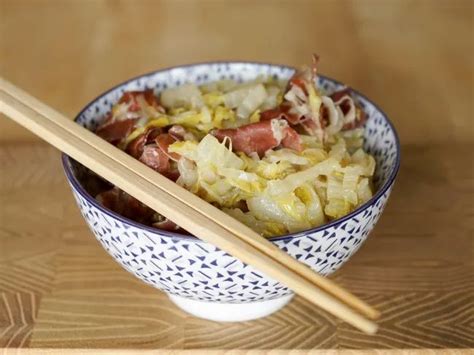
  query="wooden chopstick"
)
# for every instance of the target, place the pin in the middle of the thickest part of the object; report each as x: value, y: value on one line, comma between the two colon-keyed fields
x: 154, y: 190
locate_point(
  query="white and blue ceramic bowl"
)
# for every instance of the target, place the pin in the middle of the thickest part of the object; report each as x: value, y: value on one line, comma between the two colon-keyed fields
x: 197, y: 276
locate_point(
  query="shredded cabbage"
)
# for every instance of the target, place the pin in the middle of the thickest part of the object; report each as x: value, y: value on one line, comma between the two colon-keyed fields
x: 246, y: 99
x: 273, y: 99
x: 315, y: 102
x: 336, y: 117
x: 159, y: 122
x: 314, y: 211
x: 265, y: 228
x: 354, y: 138
x: 187, y: 95
x: 284, y: 189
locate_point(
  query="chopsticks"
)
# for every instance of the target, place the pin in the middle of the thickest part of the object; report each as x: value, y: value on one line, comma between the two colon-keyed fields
x: 174, y: 202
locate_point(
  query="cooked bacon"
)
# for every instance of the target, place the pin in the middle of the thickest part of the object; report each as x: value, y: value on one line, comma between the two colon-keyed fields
x: 306, y: 123
x: 152, y: 134
x: 296, y: 108
x: 163, y: 141
x: 259, y: 137
x: 136, y: 210
x: 360, y: 120
x: 345, y: 107
x: 337, y: 95
x: 292, y: 140
x: 281, y: 111
x: 256, y: 137
x: 310, y: 127
x: 155, y: 158
x: 167, y: 225
x: 115, y: 132
x: 115, y: 128
x: 151, y: 148
x: 131, y: 98
x: 124, y: 204
x: 291, y: 110
x: 180, y: 133
x: 135, y: 147
x: 304, y: 76
x: 314, y: 65
x: 276, y: 112
x: 177, y: 131
x: 109, y: 199
x: 324, y: 116
x: 298, y: 81
x: 173, y: 172
x: 342, y: 97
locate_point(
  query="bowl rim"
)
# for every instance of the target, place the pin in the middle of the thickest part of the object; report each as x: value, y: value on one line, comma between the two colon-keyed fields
x: 66, y: 161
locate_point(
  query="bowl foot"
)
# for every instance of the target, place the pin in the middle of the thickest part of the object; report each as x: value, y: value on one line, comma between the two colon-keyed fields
x: 230, y: 312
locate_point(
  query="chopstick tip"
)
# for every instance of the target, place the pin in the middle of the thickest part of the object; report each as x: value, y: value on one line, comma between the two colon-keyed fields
x: 374, y: 314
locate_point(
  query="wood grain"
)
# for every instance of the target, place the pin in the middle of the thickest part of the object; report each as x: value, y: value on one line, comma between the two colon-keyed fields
x: 59, y: 289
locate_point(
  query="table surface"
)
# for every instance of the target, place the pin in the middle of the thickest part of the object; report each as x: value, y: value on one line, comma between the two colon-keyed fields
x: 60, y: 289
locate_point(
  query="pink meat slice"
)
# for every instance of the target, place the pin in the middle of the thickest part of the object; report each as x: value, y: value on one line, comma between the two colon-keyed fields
x: 135, y: 147
x: 115, y: 132
x: 258, y: 138
x: 154, y: 157
x: 163, y: 141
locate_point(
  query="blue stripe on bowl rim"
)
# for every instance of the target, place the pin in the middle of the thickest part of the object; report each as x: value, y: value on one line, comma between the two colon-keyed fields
x: 66, y: 161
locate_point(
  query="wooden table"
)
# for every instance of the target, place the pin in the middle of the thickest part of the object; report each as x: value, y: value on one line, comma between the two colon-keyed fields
x: 58, y: 287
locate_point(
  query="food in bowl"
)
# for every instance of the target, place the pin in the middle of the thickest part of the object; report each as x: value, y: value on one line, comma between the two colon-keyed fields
x: 199, y: 277
x: 280, y: 156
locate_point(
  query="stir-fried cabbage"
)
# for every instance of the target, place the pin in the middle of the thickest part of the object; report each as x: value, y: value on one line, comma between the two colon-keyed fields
x: 284, y: 190
x: 265, y: 228
x: 187, y: 95
x: 246, y: 99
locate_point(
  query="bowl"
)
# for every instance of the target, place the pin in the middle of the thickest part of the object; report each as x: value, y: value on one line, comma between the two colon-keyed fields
x: 198, y: 277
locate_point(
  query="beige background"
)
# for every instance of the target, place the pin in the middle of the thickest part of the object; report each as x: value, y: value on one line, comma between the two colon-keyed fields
x: 58, y: 288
